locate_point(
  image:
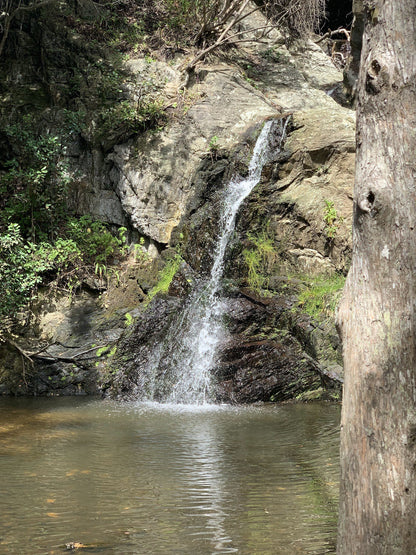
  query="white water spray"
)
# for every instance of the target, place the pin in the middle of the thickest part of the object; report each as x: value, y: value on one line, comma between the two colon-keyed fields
x: 188, y: 354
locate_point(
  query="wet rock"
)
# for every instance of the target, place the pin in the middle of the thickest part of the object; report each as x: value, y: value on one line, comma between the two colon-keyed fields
x: 264, y: 370
x: 130, y: 374
x: 264, y: 358
x: 182, y: 281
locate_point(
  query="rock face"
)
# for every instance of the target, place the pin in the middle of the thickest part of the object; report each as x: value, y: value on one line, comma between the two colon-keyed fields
x: 266, y: 354
x: 319, y: 170
x: 152, y: 175
x: 264, y: 358
x: 165, y: 185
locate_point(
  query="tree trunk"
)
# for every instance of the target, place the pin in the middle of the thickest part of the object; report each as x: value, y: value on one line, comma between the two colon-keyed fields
x: 377, y: 316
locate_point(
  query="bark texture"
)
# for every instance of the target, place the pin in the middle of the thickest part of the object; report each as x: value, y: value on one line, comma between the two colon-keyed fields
x: 377, y: 316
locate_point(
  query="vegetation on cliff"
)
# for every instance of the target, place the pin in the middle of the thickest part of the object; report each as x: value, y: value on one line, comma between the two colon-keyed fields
x: 115, y: 111
x: 63, y: 78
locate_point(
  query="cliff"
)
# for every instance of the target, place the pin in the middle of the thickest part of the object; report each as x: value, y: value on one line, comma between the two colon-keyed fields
x: 159, y: 171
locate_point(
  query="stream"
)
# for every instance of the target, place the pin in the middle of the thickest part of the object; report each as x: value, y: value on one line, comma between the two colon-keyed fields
x: 144, y: 478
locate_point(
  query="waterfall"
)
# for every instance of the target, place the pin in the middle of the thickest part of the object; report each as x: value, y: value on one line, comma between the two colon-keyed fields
x: 180, y: 370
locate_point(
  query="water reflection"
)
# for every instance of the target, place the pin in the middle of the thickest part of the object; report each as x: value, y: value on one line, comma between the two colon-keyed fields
x: 204, y: 481
x: 125, y: 478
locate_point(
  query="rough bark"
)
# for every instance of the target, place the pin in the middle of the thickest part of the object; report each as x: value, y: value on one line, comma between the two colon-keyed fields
x: 377, y: 316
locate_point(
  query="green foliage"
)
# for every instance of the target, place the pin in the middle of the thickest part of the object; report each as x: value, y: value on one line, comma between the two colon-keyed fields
x: 129, y: 319
x: 33, y: 187
x: 39, y: 240
x: 97, y: 244
x: 256, y: 280
x: 132, y: 117
x: 18, y: 274
x: 86, y: 246
x: 213, y: 143
x: 140, y: 254
x: 99, y: 352
x: 112, y: 352
x: 272, y: 54
x: 259, y: 259
x: 321, y: 295
x: 331, y: 219
x: 74, y: 121
x: 166, y: 276
x: 119, y: 25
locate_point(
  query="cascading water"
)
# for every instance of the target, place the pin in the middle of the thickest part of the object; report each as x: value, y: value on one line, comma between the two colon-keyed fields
x: 180, y: 371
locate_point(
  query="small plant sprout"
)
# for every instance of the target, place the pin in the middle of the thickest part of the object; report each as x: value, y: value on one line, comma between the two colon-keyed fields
x: 213, y: 144
x: 331, y: 219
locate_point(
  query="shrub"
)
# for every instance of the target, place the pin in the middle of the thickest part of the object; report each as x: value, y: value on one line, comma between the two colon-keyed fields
x: 19, y: 272
x: 331, y: 219
x: 300, y: 16
x: 134, y: 118
x: 34, y: 186
x: 87, y: 247
x: 96, y: 243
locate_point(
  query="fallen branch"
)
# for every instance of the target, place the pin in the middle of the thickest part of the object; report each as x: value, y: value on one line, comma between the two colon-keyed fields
x: 43, y: 355
x: 329, y: 34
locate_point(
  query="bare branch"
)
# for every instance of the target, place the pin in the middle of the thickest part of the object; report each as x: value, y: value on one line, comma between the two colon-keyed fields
x: 9, y: 15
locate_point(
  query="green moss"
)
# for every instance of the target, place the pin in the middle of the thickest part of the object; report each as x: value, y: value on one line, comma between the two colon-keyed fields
x: 129, y: 319
x: 166, y: 276
x: 112, y: 352
x: 101, y: 351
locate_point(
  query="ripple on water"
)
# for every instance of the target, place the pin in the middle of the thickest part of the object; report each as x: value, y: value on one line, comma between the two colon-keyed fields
x: 148, y: 478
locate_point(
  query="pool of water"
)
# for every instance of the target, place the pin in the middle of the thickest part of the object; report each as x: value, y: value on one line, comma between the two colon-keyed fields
x: 123, y: 478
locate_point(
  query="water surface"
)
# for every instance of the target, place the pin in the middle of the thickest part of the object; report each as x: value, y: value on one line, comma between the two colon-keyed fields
x: 149, y: 479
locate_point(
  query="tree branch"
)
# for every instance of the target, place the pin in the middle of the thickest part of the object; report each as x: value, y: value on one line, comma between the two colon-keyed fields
x: 8, y: 17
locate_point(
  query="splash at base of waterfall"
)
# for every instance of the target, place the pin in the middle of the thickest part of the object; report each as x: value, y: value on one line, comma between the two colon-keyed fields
x: 180, y: 369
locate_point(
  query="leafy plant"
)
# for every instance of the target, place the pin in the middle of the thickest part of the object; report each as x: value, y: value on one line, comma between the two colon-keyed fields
x: 213, y: 143
x: 86, y: 247
x: 273, y: 55
x: 331, y: 219
x: 95, y: 241
x: 33, y: 188
x: 256, y: 280
x: 129, y: 319
x: 140, y: 253
x: 135, y: 118
x: 259, y: 259
x: 18, y: 273
x: 321, y: 295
